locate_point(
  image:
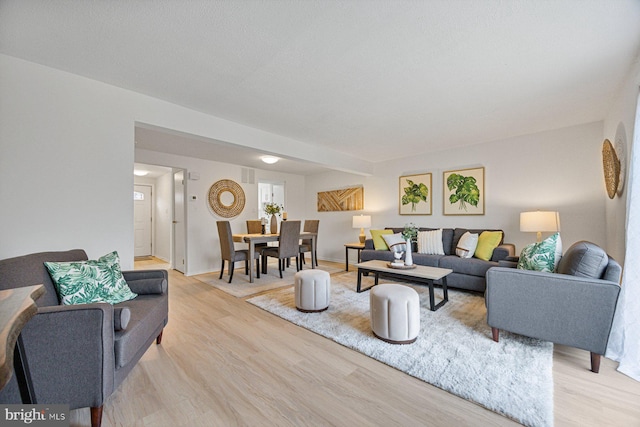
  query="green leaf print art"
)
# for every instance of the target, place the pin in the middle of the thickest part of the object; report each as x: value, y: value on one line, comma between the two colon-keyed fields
x: 414, y: 193
x: 466, y: 190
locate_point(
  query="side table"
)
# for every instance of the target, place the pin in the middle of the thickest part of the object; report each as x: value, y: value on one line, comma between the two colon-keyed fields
x: 357, y: 246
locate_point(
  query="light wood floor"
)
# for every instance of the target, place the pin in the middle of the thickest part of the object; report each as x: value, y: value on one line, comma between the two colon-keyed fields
x: 224, y: 362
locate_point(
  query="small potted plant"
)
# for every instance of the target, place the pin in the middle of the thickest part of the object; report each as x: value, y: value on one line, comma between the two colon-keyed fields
x: 273, y: 209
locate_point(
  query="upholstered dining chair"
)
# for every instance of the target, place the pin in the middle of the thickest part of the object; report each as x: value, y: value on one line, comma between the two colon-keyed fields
x: 231, y: 254
x: 310, y: 226
x: 254, y: 226
x: 288, y: 246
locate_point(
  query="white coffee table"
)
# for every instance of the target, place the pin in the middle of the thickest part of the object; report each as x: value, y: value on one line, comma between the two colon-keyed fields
x: 422, y: 275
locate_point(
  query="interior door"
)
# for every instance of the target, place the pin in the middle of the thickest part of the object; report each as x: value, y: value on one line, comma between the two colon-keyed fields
x: 179, y: 229
x: 142, y: 220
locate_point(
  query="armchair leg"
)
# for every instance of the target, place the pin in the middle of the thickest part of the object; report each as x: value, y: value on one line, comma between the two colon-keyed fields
x: 246, y: 266
x: 495, y: 333
x: 96, y: 416
x: 595, y: 362
x: 159, y: 338
x: 257, y: 268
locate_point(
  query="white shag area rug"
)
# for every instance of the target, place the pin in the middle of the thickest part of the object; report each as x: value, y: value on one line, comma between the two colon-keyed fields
x: 454, y: 350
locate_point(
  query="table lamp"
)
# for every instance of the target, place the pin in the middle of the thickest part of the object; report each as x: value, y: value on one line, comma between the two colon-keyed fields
x: 539, y: 221
x: 362, y: 222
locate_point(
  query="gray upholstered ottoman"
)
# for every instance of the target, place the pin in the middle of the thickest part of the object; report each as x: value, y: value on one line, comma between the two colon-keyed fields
x: 312, y: 290
x: 395, y: 313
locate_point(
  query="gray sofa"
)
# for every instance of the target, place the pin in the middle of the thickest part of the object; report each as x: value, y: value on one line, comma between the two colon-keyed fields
x: 79, y: 354
x: 468, y: 273
x: 573, y: 307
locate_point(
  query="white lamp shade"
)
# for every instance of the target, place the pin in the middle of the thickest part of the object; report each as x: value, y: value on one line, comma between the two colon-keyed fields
x: 362, y: 221
x: 539, y: 221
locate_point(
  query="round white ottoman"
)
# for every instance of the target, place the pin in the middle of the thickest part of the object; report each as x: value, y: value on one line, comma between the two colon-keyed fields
x: 395, y: 313
x: 312, y: 290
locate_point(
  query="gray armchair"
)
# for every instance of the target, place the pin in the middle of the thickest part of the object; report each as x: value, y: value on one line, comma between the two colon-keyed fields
x: 79, y: 354
x: 573, y: 307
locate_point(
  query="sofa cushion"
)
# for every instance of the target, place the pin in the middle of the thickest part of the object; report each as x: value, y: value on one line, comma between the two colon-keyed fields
x: 467, y: 245
x: 395, y: 242
x: 487, y: 242
x: 427, y: 260
x: 542, y: 256
x: 148, y: 312
x: 378, y: 242
x: 584, y: 259
x: 84, y: 282
x: 469, y: 266
x: 430, y: 242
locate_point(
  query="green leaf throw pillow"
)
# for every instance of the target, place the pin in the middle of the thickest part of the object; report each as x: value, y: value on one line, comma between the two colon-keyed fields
x: 85, y: 282
x: 543, y: 256
x: 378, y: 242
x: 487, y: 242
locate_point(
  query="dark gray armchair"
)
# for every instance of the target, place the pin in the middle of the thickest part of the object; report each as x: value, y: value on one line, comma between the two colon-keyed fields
x: 79, y: 354
x: 573, y: 307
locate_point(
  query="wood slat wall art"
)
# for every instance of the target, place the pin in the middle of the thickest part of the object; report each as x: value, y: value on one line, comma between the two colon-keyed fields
x: 348, y: 199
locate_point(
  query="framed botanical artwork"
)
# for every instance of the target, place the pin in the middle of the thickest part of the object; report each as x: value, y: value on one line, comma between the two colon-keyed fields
x: 463, y: 192
x: 415, y: 194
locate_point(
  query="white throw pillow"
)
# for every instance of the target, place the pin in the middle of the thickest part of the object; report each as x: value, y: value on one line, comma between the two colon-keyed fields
x: 395, y: 242
x: 430, y: 242
x: 467, y: 245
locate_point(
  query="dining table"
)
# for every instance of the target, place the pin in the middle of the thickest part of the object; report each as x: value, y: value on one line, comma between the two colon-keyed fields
x: 253, y: 239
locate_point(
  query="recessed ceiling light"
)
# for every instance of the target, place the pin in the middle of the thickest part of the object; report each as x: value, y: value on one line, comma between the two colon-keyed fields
x: 269, y: 159
x: 138, y: 172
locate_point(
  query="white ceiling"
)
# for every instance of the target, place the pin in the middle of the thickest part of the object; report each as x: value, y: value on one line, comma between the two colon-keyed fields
x: 356, y: 77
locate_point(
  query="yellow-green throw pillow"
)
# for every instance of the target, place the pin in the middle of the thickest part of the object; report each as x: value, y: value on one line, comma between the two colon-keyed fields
x: 378, y: 242
x: 487, y: 242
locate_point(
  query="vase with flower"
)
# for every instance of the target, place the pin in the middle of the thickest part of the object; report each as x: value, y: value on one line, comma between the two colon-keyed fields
x: 410, y: 233
x: 273, y: 209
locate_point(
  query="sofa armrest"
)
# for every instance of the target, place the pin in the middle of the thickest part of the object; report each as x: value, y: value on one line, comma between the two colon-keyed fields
x: 563, y: 309
x: 503, y: 251
x: 145, y: 282
x: 368, y: 244
x: 70, y: 353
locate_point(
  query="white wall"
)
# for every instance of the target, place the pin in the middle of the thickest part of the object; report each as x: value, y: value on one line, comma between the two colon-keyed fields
x: 203, y: 245
x: 67, y: 152
x: 556, y: 170
x: 66, y: 158
x: 622, y: 112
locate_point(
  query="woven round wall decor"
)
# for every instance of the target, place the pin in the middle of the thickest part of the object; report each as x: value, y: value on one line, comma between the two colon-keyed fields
x: 611, y: 167
x: 218, y: 189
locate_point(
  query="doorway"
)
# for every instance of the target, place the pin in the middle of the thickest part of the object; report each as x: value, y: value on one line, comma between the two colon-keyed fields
x: 142, y: 220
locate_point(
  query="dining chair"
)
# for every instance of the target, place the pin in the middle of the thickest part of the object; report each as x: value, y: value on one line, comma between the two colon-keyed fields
x: 231, y: 254
x: 288, y: 246
x: 310, y: 226
x: 254, y: 226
